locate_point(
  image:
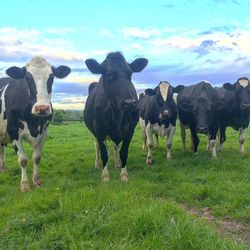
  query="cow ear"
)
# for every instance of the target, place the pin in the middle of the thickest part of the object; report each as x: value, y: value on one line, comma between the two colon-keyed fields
x: 16, y: 72
x: 61, y: 71
x: 93, y: 66
x: 150, y: 92
x: 218, y: 105
x: 178, y: 89
x: 186, y: 107
x: 138, y: 64
x: 229, y: 86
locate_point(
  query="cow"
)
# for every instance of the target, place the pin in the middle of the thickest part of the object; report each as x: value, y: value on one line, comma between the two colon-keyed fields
x: 236, y: 111
x: 111, y: 109
x: 199, y: 108
x: 158, y: 114
x: 25, y: 111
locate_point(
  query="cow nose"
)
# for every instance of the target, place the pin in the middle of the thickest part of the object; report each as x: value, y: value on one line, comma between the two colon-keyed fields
x: 42, y: 109
x: 164, y: 114
x: 130, y: 104
x: 202, y: 130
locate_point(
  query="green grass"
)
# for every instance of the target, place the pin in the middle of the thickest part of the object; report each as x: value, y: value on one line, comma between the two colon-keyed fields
x: 75, y: 210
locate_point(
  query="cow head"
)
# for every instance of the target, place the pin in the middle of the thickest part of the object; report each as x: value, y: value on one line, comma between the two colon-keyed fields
x: 116, y: 77
x: 242, y: 91
x: 164, y: 97
x: 203, y: 109
x: 39, y: 75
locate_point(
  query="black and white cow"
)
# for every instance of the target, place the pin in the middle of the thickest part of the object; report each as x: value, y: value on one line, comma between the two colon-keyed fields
x: 25, y: 111
x: 158, y: 114
x: 199, y: 109
x: 111, y: 108
x: 236, y: 111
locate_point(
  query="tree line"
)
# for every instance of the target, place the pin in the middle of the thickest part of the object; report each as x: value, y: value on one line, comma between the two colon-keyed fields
x: 60, y: 116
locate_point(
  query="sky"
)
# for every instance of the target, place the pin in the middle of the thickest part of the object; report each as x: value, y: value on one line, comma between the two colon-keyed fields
x: 185, y: 41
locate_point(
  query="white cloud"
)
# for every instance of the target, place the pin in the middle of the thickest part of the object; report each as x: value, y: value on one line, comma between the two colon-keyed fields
x: 106, y: 33
x: 136, y: 32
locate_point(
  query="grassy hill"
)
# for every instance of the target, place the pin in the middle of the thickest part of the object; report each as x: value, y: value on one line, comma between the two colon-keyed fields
x: 190, y: 202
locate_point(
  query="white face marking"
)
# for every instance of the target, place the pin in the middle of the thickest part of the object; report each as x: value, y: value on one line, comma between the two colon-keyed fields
x: 40, y: 70
x: 243, y: 82
x: 164, y: 87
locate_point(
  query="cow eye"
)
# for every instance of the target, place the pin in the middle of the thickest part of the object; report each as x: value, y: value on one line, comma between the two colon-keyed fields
x: 110, y: 76
x: 50, y: 80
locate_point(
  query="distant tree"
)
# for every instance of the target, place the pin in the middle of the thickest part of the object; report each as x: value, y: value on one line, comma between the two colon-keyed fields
x: 58, y: 116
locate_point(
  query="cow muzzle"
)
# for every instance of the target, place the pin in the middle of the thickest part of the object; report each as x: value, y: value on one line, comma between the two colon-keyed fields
x: 164, y: 114
x: 41, y: 110
x: 130, y: 104
x: 202, y: 130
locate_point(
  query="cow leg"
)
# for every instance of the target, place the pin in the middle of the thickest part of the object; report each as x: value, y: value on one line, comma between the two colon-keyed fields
x: 36, y: 156
x: 23, y: 161
x: 149, y: 133
x: 170, y: 136
x: 104, y: 157
x: 242, y: 137
x: 212, y: 144
x: 116, y: 157
x: 208, y: 142
x: 97, y: 155
x: 157, y: 140
x: 195, y: 139
x: 144, y: 137
x: 124, y: 155
x: 213, y: 130
x: 183, y: 137
x: 222, y: 137
x: 2, y: 159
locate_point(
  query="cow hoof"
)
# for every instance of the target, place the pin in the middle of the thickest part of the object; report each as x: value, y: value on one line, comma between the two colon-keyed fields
x: 25, y: 186
x: 37, y: 182
x: 124, y: 175
x: 105, y: 175
x: 149, y: 161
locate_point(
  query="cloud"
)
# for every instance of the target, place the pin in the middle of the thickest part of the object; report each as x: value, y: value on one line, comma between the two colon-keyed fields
x: 106, y: 33
x: 138, y: 33
x: 60, y: 31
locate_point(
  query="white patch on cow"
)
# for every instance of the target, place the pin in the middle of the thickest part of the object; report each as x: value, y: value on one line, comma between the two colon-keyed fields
x: 124, y: 174
x: 243, y: 82
x: 23, y: 161
x: 242, y: 137
x: 4, y: 138
x: 40, y: 69
x: 97, y: 155
x: 164, y: 87
x: 212, y: 144
x: 170, y: 135
x: 105, y: 174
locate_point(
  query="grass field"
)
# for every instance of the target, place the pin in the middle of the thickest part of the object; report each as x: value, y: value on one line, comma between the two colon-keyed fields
x: 190, y: 202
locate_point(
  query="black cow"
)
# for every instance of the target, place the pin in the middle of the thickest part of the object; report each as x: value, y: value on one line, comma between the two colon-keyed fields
x: 111, y: 108
x: 158, y: 114
x: 25, y: 111
x: 199, y: 109
x: 236, y: 111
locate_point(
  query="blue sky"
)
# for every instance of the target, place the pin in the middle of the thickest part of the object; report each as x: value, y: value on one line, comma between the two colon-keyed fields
x: 185, y: 41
